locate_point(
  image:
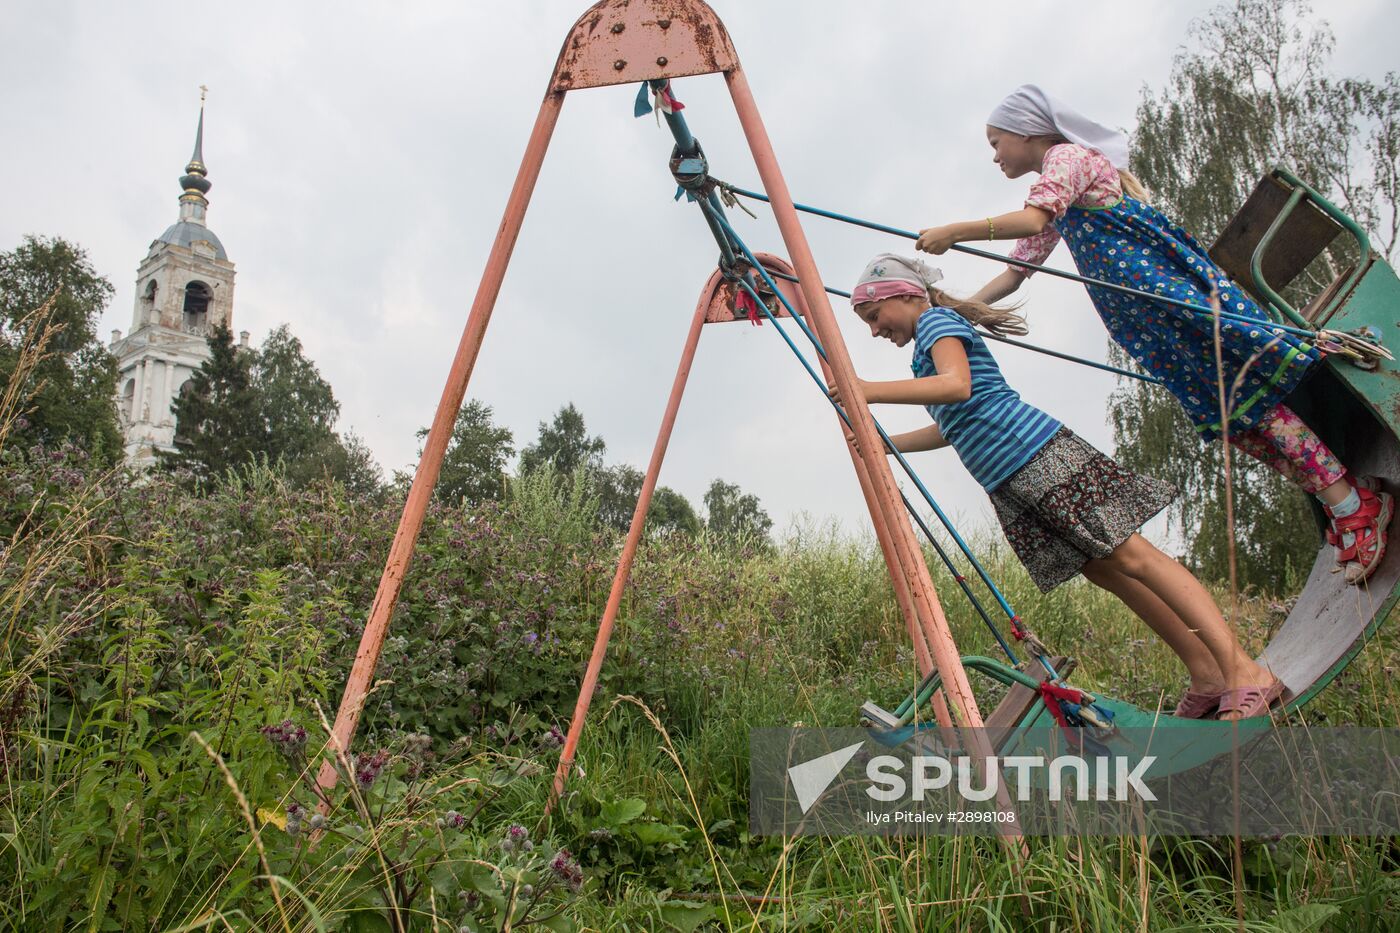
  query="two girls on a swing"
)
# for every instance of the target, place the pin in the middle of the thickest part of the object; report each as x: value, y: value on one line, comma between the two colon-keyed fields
x: 1065, y: 507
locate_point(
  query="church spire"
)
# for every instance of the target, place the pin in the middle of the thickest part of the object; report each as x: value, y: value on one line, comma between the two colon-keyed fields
x: 194, y: 183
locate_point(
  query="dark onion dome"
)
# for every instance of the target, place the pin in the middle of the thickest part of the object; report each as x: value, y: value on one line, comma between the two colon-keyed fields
x: 186, y: 233
x: 194, y: 181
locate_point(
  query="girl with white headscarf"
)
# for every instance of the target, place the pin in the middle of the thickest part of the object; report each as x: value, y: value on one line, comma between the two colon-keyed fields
x: 1086, y: 197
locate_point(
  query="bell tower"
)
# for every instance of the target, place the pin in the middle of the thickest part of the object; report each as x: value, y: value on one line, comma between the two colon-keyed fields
x: 184, y: 287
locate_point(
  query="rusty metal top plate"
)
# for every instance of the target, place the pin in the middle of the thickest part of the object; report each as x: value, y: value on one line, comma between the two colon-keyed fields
x: 625, y: 41
x: 718, y: 295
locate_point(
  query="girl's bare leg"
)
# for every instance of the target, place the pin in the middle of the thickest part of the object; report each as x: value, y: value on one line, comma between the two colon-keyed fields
x: 1183, y: 594
x: 1206, y: 676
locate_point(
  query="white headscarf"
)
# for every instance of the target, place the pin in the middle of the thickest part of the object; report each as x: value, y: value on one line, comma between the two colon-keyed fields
x: 888, y: 275
x: 1029, y: 111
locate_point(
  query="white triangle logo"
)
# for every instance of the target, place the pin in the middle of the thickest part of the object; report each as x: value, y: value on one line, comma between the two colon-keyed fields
x: 811, y: 778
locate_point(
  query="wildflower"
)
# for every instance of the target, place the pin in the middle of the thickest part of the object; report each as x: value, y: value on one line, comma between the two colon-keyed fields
x: 367, y: 767
x: 295, y: 812
x: 517, y: 838
x: 551, y: 739
x: 564, y: 868
x: 454, y: 820
x: 288, y: 738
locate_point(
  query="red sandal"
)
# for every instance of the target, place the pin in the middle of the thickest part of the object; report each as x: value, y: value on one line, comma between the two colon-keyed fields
x: 1368, y: 525
x: 1250, y: 701
x: 1195, y: 705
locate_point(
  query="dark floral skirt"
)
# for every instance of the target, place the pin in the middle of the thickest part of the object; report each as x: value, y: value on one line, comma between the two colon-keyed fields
x: 1071, y: 504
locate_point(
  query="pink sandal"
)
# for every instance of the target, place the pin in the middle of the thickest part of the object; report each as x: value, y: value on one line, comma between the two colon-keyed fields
x: 1250, y: 701
x: 1195, y: 705
x: 1368, y: 525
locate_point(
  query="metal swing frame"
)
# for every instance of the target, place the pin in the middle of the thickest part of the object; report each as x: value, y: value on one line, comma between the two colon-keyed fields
x: 631, y: 41
x: 625, y: 42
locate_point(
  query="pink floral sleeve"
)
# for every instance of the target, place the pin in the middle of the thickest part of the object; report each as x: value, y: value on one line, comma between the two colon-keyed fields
x: 1035, y: 249
x: 1070, y: 175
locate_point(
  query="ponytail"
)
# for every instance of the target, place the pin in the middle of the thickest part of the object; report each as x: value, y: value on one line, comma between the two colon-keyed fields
x: 1004, y: 322
x: 1132, y: 187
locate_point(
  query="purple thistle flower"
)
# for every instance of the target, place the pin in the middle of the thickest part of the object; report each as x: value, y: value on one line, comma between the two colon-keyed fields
x: 567, y: 870
x: 367, y: 767
x: 288, y: 738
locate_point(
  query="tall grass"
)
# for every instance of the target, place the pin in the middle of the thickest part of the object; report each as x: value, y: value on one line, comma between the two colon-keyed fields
x: 171, y: 657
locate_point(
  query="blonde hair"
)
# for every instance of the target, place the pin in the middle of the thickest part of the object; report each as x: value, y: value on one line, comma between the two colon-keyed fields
x: 1002, y: 321
x: 1129, y: 182
x: 1132, y: 187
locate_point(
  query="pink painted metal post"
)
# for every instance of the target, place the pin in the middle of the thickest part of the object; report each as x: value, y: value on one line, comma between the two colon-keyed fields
x: 941, y: 643
x: 945, y: 652
x: 430, y: 465
x: 629, y: 549
x: 916, y: 624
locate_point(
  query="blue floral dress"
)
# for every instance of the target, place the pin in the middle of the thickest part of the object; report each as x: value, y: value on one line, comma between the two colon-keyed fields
x: 1133, y: 244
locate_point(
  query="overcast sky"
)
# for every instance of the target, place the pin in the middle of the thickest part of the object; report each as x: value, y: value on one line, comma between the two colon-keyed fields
x: 361, y: 154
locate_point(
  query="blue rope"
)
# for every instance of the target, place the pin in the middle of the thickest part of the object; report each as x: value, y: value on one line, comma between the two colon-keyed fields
x: 1015, y: 343
x: 909, y: 470
x: 971, y: 251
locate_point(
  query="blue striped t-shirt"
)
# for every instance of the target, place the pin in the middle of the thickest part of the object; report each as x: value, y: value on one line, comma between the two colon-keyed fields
x: 993, y: 431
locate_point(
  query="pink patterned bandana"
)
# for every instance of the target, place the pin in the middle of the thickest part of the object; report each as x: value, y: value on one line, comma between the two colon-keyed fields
x: 888, y: 275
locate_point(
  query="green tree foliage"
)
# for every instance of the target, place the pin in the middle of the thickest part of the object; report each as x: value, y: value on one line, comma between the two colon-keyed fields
x: 297, y: 406
x: 672, y: 512
x: 618, y: 490
x: 73, y: 387
x: 564, y: 444
x: 1252, y: 92
x: 565, y: 447
x: 270, y: 404
x: 734, y: 515
x: 218, y: 423
x: 474, y: 467
x: 352, y: 463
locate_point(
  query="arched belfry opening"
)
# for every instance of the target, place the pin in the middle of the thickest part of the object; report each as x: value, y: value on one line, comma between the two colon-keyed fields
x: 148, y: 301
x: 127, y: 408
x: 196, y: 311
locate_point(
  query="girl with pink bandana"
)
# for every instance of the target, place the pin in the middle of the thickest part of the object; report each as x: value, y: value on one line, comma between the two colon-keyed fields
x: 1086, y: 197
x: 1066, y: 508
